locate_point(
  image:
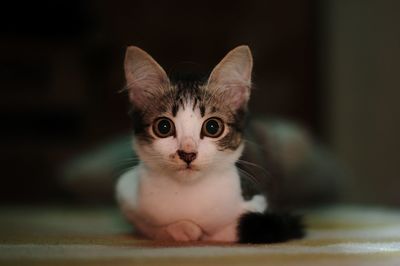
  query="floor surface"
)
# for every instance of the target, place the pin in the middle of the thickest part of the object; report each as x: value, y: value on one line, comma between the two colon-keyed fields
x: 60, y: 235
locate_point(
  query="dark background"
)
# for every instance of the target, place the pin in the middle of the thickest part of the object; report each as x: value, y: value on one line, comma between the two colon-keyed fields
x: 61, y: 70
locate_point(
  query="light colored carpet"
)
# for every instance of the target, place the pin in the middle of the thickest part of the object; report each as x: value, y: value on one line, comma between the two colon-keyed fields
x: 59, y: 235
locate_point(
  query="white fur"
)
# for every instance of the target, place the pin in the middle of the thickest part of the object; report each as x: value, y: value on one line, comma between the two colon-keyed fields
x: 152, y: 200
x: 166, y: 201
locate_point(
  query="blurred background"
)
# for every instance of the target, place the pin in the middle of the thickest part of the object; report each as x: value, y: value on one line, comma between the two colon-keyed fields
x: 332, y: 66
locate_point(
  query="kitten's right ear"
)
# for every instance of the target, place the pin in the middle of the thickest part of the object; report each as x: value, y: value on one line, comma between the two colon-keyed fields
x: 232, y: 77
x: 145, y: 78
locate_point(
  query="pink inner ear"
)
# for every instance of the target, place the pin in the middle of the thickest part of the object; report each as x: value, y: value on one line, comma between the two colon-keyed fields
x: 136, y: 96
x: 145, y: 87
x: 236, y: 96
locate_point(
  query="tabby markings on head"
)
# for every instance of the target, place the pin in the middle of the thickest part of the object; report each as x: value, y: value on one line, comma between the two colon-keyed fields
x: 224, y: 94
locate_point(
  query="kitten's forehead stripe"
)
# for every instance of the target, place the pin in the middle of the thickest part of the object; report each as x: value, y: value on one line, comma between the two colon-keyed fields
x: 195, y: 103
x: 202, y: 110
x: 187, y: 90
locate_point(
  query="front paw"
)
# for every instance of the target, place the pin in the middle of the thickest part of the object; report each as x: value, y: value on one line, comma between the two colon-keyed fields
x: 184, y: 231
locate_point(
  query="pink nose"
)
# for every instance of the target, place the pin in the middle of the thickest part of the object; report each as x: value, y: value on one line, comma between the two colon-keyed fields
x: 187, y: 157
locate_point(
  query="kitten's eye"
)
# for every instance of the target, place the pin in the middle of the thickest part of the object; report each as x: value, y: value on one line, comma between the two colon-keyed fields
x: 163, y: 127
x: 212, y: 127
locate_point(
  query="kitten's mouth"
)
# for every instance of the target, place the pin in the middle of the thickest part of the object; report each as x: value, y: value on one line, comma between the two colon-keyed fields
x: 189, y: 168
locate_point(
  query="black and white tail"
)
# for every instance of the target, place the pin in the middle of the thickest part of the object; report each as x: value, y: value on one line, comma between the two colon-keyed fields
x: 268, y: 227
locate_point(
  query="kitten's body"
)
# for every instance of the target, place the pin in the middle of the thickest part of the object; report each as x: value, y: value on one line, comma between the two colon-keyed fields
x: 187, y: 186
x: 213, y: 202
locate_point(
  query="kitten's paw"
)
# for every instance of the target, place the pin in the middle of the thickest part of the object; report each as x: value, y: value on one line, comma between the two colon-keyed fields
x: 227, y: 234
x: 184, y: 231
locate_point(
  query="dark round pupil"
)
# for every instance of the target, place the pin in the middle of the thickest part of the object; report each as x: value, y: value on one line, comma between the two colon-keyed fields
x: 164, y: 126
x: 212, y: 127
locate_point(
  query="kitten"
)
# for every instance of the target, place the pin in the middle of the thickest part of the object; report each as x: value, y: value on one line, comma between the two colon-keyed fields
x: 189, y: 138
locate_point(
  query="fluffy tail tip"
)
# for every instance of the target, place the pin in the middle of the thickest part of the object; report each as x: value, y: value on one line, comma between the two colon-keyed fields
x: 257, y: 228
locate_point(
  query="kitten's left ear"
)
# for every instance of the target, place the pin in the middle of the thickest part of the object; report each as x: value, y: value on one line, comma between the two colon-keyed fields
x: 231, y: 78
x: 144, y: 76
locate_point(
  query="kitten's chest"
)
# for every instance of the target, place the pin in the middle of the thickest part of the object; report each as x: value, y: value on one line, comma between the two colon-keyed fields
x: 210, y: 202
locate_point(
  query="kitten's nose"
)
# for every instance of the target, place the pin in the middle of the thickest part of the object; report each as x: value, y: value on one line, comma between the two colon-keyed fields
x: 187, y: 157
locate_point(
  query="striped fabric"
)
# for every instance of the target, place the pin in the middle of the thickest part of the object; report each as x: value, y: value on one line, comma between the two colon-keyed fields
x: 341, y: 235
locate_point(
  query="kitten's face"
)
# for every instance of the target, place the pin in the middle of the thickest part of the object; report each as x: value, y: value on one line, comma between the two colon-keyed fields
x: 188, y: 127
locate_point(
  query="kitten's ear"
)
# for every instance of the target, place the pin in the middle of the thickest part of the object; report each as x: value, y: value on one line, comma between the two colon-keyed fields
x: 144, y: 76
x: 232, y: 77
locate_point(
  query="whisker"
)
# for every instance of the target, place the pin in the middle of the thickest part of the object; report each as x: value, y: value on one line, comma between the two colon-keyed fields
x: 249, y: 176
x: 119, y: 172
x: 247, y: 163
